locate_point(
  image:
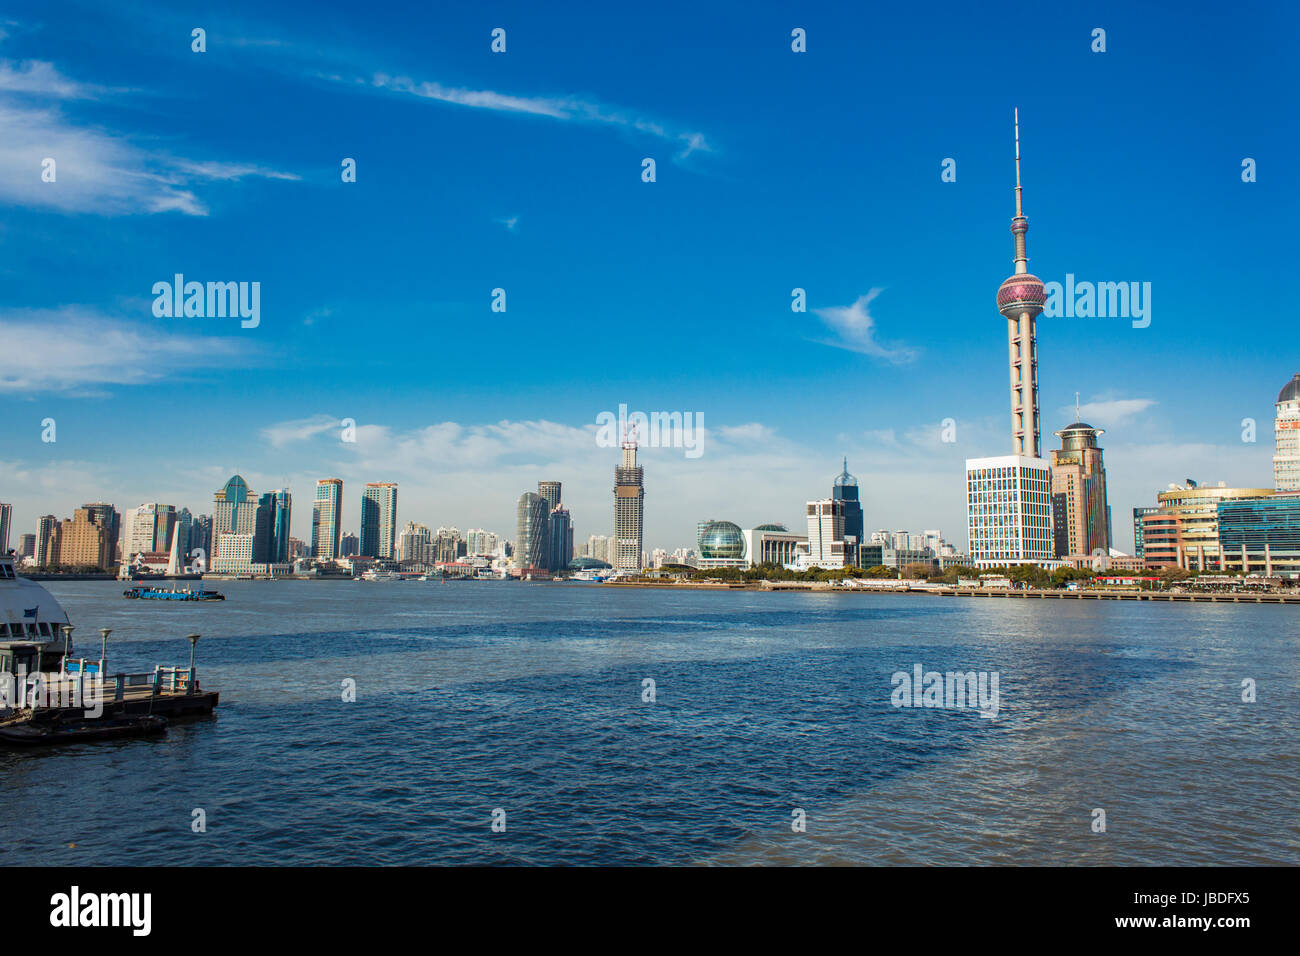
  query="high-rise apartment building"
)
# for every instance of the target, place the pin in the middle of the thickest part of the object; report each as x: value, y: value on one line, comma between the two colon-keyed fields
x: 629, y: 510
x: 1082, y: 524
x: 379, y: 520
x: 85, y: 540
x: 414, y: 544
x: 1286, y: 431
x: 327, y: 520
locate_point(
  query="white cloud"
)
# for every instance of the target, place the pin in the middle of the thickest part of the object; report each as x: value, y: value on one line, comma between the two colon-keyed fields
x: 72, y: 349
x: 856, y: 329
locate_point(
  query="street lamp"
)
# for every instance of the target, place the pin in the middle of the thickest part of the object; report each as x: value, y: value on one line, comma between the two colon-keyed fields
x: 103, y: 648
x: 194, y: 642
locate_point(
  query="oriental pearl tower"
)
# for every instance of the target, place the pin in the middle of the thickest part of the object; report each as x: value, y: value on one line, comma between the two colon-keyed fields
x: 1021, y: 299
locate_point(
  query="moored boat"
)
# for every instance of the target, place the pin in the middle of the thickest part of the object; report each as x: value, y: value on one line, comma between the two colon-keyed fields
x: 29, y: 733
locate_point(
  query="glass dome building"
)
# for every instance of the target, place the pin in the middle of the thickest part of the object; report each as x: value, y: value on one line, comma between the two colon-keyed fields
x: 722, y: 545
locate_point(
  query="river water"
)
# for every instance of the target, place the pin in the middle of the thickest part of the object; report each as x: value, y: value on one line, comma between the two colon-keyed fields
x: 529, y: 700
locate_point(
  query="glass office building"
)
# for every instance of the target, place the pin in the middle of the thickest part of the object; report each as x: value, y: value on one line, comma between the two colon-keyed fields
x: 1261, y: 535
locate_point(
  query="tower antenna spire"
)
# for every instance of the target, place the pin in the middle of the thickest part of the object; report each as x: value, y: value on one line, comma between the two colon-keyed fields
x: 1019, y: 211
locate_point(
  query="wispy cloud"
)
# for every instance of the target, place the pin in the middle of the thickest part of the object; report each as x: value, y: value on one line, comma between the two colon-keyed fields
x: 511, y: 224
x: 1116, y: 411
x: 76, y: 350
x: 567, y: 109
x: 39, y: 78
x: 856, y: 330
x: 298, y: 430
x: 95, y: 170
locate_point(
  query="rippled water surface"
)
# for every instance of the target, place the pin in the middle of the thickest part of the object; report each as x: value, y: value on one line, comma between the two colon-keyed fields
x: 473, y: 696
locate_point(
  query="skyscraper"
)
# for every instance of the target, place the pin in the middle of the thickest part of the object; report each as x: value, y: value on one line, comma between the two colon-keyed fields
x: 271, y: 541
x: 327, y: 520
x: 379, y: 520
x: 6, y: 517
x: 234, y: 511
x: 1286, y: 430
x: 532, y: 538
x: 560, y: 529
x: 148, y: 528
x: 1079, y: 492
x: 550, y: 490
x: 846, y: 490
x: 47, y: 540
x: 629, y: 509
x: 1008, y: 497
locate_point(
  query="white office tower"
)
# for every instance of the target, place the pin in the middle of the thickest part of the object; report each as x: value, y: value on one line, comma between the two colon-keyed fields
x: 629, y: 510
x: 826, y: 533
x: 1009, y: 510
x: 1286, y: 429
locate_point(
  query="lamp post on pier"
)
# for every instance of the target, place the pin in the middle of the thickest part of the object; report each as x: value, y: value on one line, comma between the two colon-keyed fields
x: 193, y: 681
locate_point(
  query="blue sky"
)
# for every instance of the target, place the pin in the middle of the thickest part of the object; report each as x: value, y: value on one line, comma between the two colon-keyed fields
x: 522, y: 171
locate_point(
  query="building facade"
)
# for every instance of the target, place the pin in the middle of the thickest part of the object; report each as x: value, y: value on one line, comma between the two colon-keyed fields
x: 1183, y: 531
x: 1139, y: 540
x: 1009, y: 510
x: 1261, y: 535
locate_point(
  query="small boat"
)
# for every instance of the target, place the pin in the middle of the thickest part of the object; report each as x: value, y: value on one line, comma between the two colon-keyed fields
x: 377, y: 575
x: 31, y: 734
x: 171, y: 594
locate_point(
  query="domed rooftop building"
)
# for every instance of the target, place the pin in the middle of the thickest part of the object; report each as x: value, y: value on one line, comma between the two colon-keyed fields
x: 771, y: 527
x: 722, y: 545
x: 1286, y: 431
x: 846, y: 490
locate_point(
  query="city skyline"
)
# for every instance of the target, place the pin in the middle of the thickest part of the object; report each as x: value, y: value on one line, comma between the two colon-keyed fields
x: 734, y: 222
